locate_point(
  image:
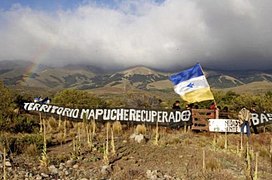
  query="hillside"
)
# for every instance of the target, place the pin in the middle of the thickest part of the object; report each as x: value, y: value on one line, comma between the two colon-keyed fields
x: 18, y: 73
x: 182, y: 155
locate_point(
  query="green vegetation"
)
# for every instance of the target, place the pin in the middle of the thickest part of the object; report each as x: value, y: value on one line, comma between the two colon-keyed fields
x: 6, y: 105
x: 25, y: 126
x: 78, y: 99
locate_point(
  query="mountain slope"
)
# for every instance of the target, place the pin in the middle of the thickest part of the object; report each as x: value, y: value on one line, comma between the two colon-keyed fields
x: 138, y: 77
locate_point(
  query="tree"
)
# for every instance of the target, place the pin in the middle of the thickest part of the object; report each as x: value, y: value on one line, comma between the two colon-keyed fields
x: 136, y: 100
x: 6, y: 99
x: 78, y: 99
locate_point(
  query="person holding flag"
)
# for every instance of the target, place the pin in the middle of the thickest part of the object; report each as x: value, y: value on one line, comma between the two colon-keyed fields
x: 192, y: 85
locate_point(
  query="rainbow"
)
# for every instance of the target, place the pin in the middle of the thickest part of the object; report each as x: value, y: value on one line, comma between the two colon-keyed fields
x: 35, y: 59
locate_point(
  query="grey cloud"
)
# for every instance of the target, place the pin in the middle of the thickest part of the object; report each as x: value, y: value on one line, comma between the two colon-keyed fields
x: 232, y: 34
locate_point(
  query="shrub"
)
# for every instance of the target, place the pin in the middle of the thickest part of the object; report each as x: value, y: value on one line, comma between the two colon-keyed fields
x: 18, y: 143
x: 31, y: 150
x: 21, y: 124
x: 213, y: 164
x: 140, y: 129
x: 117, y: 127
x: 264, y: 152
x: 53, y: 123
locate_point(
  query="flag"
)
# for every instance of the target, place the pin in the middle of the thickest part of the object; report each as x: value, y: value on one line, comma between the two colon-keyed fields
x: 192, y: 85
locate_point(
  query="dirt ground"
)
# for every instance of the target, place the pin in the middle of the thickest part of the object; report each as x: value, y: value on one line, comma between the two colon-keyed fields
x: 178, y: 155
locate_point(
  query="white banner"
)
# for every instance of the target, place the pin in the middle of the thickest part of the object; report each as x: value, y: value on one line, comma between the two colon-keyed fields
x: 225, y: 125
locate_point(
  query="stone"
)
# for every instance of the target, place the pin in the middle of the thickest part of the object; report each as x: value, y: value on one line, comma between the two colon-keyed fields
x: 61, y: 166
x: 154, y: 175
x: 66, y: 173
x: 52, y: 169
x: 132, y: 136
x: 139, y: 138
x: 148, y: 173
x: 105, y: 170
x: 75, y: 166
x: 70, y: 163
x: 38, y: 177
x: 8, y: 164
x: 167, y: 177
x: 44, y: 175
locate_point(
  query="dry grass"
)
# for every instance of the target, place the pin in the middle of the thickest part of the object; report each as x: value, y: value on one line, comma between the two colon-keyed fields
x: 53, y: 123
x: 213, y: 164
x: 31, y: 150
x: 140, y: 129
x: 254, y: 87
x: 184, y: 149
x: 117, y: 128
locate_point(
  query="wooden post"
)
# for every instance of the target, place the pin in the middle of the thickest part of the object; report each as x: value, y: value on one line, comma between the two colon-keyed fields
x: 112, y: 142
x: 203, y: 161
x: 4, y: 163
x: 157, y: 134
x: 256, y: 167
x: 59, y: 124
x: 107, y: 138
x: 248, y: 162
x: 241, y: 137
x: 270, y: 152
x: 41, y: 122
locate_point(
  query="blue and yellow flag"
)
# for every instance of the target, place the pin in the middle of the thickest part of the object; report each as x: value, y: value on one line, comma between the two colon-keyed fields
x: 192, y: 85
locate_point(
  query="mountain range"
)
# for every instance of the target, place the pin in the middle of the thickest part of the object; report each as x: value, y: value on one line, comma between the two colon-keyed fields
x: 82, y: 76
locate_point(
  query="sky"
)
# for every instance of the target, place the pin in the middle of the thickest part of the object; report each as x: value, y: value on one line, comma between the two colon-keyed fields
x: 161, y: 34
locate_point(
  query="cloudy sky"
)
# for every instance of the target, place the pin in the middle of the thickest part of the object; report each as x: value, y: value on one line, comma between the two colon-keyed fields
x: 225, y: 34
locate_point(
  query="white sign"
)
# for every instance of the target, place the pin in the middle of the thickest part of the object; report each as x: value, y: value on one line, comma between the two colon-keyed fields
x: 225, y: 125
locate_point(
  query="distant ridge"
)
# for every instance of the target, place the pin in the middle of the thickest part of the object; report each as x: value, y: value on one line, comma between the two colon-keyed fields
x: 82, y: 76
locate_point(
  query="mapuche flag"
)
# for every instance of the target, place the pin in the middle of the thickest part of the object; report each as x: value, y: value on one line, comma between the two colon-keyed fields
x: 192, y: 85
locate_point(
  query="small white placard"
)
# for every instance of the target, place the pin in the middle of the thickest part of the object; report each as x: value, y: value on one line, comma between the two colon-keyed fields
x: 225, y: 125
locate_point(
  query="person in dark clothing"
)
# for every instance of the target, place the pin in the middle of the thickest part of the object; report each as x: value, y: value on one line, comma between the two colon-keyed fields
x: 225, y: 109
x: 196, y: 106
x: 190, y: 106
x: 176, y: 105
x: 224, y: 114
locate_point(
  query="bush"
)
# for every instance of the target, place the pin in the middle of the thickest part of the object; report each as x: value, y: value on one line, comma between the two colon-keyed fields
x: 31, y: 150
x: 140, y: 129
x: 117, y: 127
x: 18, y: 143
x: 78, y: 99
x: 53, y: 123
x: 213, y: 164
x: 21, y: 124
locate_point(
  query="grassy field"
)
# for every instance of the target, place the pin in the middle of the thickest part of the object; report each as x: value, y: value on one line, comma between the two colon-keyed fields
x: 254, y: 88
x: 107, y: 151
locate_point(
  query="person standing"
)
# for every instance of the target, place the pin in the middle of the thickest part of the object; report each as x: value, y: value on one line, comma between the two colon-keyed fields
x: 244, y: 118
x: 176, y: 105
